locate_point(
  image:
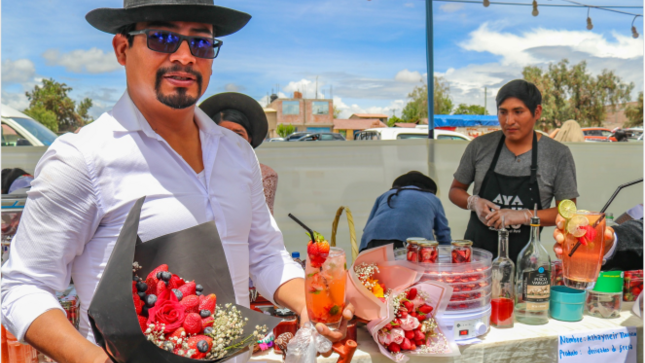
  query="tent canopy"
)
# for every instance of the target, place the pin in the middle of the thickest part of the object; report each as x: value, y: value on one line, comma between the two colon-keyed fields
x: 465, y: 120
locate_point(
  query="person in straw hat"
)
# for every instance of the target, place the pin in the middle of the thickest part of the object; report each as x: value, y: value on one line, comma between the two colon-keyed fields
x: 155, y: 142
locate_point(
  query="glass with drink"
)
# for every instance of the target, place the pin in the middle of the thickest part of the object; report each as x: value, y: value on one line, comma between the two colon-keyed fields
x: 325, y: 287
x: 583, y: 247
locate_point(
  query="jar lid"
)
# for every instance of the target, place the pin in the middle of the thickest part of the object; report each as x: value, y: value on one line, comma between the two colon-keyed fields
x: 462, y: 243
x: 610, y: 281
x: 415, y: 240
x: 429, y: 243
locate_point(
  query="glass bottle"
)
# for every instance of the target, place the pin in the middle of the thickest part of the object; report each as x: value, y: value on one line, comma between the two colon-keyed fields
x: 533, y: 279
x: 503, y: 296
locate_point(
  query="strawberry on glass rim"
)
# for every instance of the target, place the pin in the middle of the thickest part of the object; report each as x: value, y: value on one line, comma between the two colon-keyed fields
x: 317, y: 250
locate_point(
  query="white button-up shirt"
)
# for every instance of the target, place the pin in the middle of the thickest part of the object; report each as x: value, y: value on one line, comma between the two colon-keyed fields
x: 85, y: 185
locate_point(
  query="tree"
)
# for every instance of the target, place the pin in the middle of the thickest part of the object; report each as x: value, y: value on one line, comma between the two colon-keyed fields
x: 573, y: 93
x: 285, y: 130
x: 464, y: 109
x: 51, y: 105
x: 635, y: 113
x: 417, y: 108
x: 337, y: 112
x: 393, y: 120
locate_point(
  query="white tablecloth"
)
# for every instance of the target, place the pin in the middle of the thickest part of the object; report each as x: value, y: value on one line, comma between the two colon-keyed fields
x: 520, y: 344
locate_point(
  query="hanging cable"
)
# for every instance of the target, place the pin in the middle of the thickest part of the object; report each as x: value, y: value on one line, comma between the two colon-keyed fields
x: 535, y: 11
x: 634, y: 32
x: 589, y: 23
x: 486, y: 3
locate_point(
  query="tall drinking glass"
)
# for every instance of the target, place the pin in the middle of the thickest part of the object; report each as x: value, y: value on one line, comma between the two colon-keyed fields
x: 580, y: 270
x: 325, y: 289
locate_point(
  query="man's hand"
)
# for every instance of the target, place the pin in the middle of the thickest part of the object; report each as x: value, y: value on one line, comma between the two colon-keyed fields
x: 559, y: 232
x: 481, y: 207
x: 511, y: 217
x: 333, y: 336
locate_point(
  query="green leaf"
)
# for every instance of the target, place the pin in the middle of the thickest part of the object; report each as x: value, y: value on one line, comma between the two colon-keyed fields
x: 334, y: 310
x: 316, y: 292
x: 345, y: 265
x: 311, y: 274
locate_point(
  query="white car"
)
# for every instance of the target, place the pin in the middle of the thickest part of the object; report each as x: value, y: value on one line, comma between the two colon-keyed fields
x: 19, y: 129
x: 402, y: 133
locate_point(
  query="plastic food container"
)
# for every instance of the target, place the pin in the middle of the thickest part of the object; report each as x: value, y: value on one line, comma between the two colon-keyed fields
x: 428, y: 252
x: 606, y: 298
x: 413, y: 248
x: 471, y: 282
x: 633, y: 285
x: 567, y: 304
x: 462, y: 251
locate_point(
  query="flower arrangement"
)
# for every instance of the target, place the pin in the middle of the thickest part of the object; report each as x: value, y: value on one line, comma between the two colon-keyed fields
x: 365, y: 273
x: 177, y: 316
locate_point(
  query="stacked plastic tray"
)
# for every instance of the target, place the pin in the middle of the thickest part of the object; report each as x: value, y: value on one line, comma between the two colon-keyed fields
x: 471, y: 282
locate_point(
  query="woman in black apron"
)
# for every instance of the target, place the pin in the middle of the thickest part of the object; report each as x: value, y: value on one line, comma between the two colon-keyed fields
x: 515, y: 192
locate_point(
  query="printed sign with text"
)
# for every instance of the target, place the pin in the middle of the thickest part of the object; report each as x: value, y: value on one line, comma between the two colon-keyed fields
x: 606, y: 345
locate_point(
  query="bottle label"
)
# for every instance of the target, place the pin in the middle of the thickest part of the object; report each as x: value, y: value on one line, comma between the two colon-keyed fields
x: 537, y: 289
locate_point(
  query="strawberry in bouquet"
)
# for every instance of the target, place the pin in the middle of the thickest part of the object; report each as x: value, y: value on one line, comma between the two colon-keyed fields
x: 411, y: 327
x: 176, y: 303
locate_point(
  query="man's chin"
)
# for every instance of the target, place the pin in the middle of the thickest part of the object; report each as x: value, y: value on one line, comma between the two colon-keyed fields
x: 178, y: 100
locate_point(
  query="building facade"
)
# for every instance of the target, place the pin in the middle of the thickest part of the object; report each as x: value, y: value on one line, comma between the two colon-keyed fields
x: 315, y: 115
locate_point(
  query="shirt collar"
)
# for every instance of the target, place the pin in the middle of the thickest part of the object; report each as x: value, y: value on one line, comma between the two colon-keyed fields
x: 130, y: 119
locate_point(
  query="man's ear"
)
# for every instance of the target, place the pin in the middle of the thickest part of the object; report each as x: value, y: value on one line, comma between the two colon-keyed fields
x: 538, y: 112
x: 120, y: 45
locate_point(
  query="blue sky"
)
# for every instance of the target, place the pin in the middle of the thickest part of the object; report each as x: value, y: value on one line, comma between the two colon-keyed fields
x: 371, y: 52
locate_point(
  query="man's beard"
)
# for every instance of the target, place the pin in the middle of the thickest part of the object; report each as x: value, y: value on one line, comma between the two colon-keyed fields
x: 179, y: 99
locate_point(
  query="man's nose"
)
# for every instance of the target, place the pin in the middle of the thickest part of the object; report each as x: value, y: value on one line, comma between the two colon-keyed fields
x: 183, y: 54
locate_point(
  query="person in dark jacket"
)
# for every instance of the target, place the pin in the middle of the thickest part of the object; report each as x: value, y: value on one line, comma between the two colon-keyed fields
x: 409, y: 209
x: 628, y: 253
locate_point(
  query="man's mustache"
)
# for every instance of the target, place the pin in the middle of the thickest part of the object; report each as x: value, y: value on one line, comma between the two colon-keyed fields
x: 161, y: 72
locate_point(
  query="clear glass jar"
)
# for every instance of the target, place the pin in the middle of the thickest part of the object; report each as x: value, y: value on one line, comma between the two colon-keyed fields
x: 428, y: 251
x: 462, y: 250
x: 556, y: 273
x: 413, y: 249
x: 604, y: 304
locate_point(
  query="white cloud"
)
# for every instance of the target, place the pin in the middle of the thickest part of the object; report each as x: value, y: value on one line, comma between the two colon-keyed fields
x: 539, y: 47
x: 395, y: 107
x: 409, y: 5
x: 407, y: 76
x: 18, y: 71
x: 451, y: 7
x: 232, y: 87
x: 79, y: 61
x: 264, y: 101
x: 15, y: 100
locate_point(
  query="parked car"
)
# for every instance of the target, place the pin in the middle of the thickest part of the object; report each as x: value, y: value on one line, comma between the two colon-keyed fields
x: 295, y: 136
x: 401, y: 133
x: 321, y: 136
x: 598, y: 134
x: 634, y: 133
x: 276, y: 139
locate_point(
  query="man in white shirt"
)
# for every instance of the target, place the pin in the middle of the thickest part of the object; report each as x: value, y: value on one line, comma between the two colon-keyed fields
x: 154, y: 143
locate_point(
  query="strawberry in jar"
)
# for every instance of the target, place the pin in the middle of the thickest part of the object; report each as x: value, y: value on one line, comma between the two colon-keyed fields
x: 428, y: 252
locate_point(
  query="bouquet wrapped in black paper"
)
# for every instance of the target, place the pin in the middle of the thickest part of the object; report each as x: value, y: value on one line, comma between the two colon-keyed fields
x: 142, y: 312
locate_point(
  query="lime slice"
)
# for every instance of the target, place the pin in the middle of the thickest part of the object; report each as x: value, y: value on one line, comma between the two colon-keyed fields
x: 574, y: 226
x: 567, y: 208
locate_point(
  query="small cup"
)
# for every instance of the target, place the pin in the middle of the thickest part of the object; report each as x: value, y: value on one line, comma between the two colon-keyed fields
x: 567, y: 304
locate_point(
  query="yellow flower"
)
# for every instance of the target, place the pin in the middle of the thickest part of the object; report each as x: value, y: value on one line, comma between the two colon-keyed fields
x: 377, y: 290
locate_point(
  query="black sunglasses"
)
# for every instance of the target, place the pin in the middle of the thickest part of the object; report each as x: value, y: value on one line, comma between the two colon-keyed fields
x: 168, y: 42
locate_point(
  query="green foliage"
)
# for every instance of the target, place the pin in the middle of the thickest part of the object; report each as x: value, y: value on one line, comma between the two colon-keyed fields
x: 52, y: 99
x: 337, y: 112
x: 285, y: 130
x: 635, y: 113
x: 417, y: 108
x: 44, y: 116
x: 464, y: 109
x: 393, y: 120
x: 571, y: 93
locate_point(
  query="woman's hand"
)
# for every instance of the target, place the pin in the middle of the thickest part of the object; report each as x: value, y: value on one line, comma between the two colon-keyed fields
x: 482, y: 207
x: 510, y: 216
x: 558, y: 235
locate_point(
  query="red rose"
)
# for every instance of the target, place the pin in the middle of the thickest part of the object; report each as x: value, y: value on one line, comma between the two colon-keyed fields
x: 168, y: 311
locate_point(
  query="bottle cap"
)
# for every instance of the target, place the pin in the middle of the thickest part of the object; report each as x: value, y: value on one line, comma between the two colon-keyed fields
x: 535, y: 219
x: 462, y: 243
x: 295, y: 254
x: 610, y: 281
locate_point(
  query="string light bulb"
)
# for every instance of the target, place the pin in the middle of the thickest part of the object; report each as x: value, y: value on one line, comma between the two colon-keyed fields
x: 535, y: 11
x: 486, y: 3
x: 634, y: 31
x: 589, y: 23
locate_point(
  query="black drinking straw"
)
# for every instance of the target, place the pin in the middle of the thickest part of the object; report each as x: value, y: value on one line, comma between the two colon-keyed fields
x: 311, y: 233
x: 620, y: 187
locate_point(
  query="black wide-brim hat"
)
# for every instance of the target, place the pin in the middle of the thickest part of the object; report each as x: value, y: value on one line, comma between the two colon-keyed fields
x: 415, y: 178
x: 225, y: 21
x: 195, y: 254
x: 243, y: 103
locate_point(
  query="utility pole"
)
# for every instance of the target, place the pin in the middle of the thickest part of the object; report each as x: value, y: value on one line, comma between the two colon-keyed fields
x: 430, y: 73
x: 485, y: 97
x: 316, y: 97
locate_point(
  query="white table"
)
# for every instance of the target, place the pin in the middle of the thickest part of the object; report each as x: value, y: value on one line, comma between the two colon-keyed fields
x: 520, y: 344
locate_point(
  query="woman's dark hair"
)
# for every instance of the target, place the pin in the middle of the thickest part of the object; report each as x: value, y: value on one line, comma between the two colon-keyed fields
x: 236, y: 116
x: 525, y: 91
x: 412, y: 179
x: 125, y: 31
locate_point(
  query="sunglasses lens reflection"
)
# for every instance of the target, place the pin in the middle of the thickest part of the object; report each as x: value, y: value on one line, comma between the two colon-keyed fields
x: 168, y: 42
x: 202, y: 47
x: 165, y: 42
